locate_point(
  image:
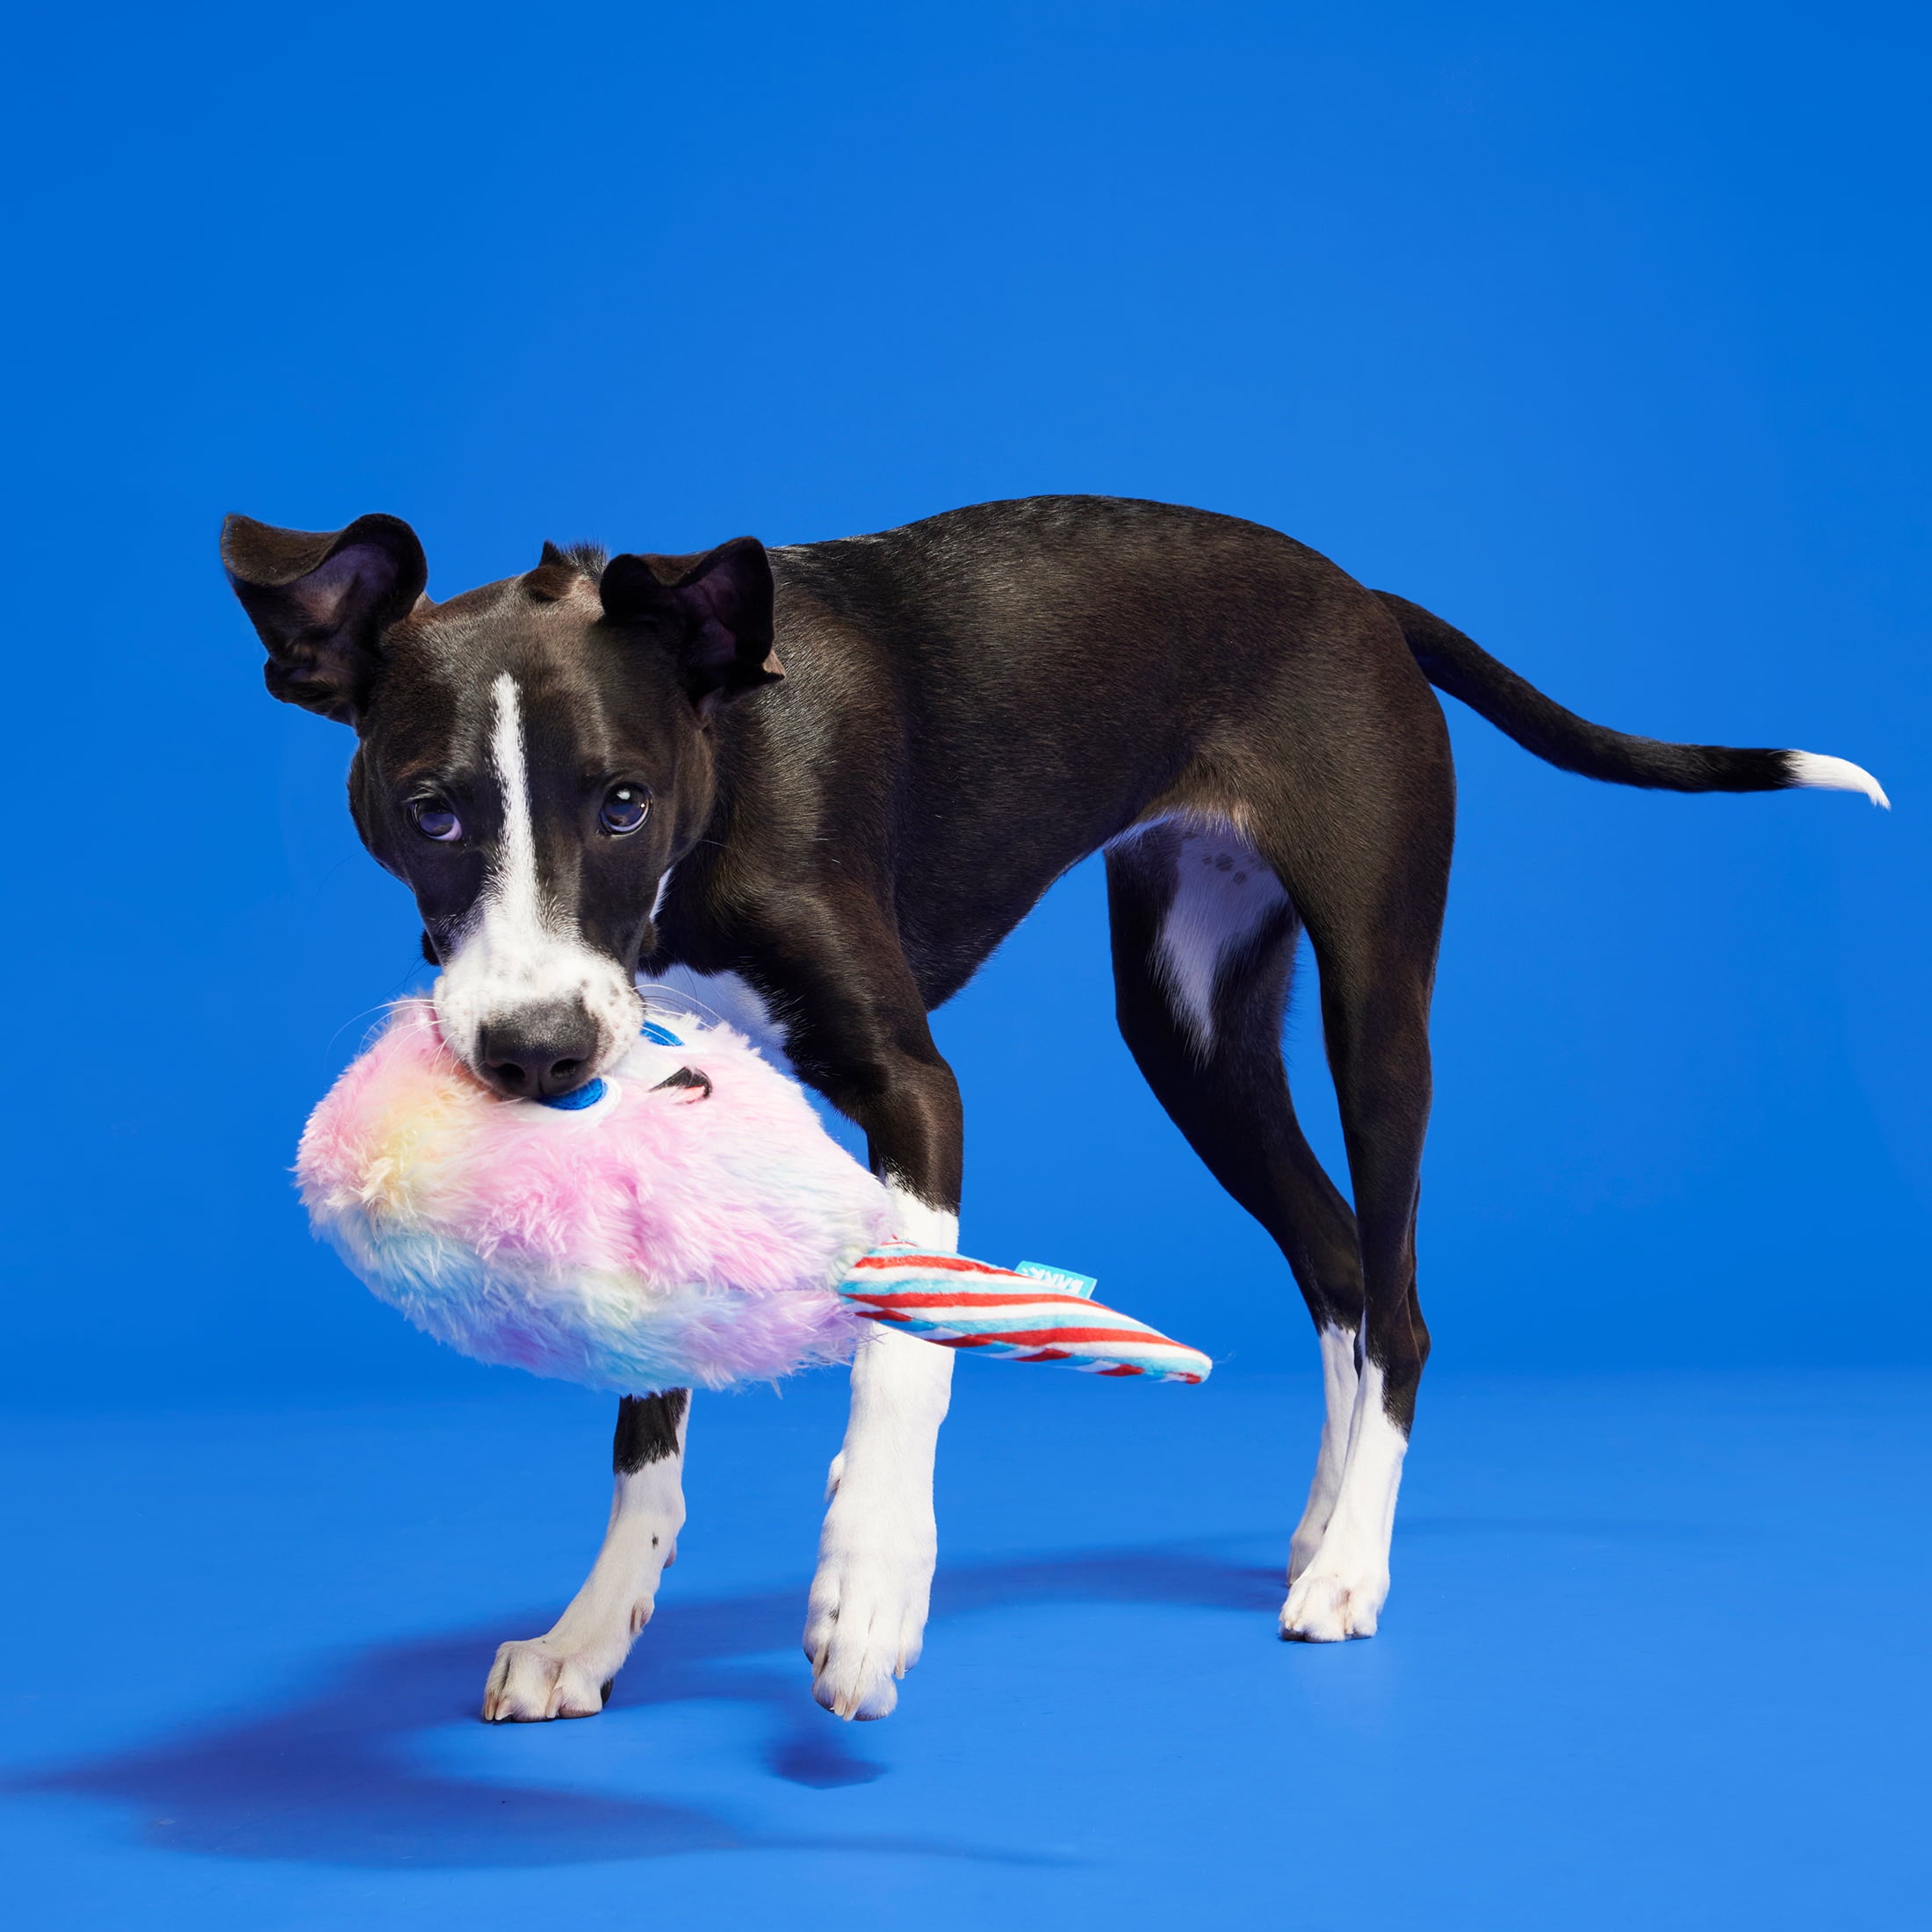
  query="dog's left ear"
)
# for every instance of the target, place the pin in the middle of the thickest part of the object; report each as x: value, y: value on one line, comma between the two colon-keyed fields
x: 719, y: 609
x: 320, y: 601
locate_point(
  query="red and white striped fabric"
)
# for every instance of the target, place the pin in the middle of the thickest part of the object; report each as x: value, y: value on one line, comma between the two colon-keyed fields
x: 962, y: 1303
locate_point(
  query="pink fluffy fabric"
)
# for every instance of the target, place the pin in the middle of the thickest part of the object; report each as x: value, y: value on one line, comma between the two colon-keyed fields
x: 657, y: 1239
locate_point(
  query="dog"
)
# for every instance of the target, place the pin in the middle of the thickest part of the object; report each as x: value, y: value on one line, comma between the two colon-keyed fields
x: 817, y: 784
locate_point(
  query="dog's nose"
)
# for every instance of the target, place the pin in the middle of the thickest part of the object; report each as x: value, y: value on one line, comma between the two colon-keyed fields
x: 534, y: 1055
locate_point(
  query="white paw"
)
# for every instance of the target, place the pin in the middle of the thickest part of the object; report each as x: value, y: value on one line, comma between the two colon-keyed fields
x: 535, y: 1679
x: 864, y: 1626
x: 1324, y: 1606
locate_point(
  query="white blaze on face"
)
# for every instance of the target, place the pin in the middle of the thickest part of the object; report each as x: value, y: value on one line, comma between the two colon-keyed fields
x: 519, y: 951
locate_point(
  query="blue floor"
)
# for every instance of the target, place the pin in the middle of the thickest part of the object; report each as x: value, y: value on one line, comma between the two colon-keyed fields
x: 1656, y: 1656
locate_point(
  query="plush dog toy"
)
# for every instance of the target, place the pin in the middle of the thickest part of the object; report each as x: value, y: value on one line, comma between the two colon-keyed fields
x: 685, y: 1220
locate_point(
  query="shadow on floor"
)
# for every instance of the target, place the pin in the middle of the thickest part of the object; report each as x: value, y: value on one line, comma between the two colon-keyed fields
x: 328, y: 1780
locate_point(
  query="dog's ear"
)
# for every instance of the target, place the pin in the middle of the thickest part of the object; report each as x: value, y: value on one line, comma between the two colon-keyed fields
x: 321, y: 601
x: 718, y: 610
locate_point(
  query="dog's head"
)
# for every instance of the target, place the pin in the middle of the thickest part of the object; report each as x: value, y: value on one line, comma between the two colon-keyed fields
x: 531, y: 758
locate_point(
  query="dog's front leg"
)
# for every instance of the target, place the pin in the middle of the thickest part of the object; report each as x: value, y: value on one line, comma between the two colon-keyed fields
x: 867, y: 1614
x: 567, y: 1673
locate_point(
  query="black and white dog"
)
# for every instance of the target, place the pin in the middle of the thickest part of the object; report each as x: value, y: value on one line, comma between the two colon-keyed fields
x: 594, y: 771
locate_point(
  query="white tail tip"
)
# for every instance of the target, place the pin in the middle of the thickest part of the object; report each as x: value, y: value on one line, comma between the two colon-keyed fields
x: 1822, y: 773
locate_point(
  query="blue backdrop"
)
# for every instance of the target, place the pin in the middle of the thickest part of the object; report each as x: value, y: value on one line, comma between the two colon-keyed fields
x: 1599, y: 331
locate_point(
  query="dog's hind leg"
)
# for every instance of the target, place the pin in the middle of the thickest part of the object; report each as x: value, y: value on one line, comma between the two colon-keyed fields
x: 1204, y: 941
x: 1367, y: 864
x: 568, y: 1672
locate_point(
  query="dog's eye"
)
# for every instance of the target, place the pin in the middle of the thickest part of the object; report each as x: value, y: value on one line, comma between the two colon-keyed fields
x: 437, y: 821
x: 625, y: 808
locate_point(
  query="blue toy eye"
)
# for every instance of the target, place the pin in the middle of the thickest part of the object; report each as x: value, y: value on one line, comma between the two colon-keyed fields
x: 437, y: 821
x: 586, y: 1096
x: 625, y: 809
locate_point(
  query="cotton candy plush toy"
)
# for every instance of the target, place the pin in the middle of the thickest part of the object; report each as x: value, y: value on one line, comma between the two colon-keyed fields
x: 683, y: 1221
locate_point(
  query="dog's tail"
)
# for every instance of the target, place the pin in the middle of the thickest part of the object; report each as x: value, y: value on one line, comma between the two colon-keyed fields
x: 1461, y: 666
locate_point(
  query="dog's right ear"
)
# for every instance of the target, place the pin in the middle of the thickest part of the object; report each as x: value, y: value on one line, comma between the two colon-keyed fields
x: 321, y: 601
x: 718, y: 609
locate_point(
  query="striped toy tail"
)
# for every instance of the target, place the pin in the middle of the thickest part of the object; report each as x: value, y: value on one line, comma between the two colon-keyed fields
x: 957, y: 1303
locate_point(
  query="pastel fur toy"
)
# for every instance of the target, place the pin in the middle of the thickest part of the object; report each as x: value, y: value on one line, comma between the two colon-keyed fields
x: 684, y: 1221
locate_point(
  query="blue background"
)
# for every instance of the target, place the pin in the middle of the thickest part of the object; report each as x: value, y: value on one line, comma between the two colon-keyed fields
x: 1601, y: 332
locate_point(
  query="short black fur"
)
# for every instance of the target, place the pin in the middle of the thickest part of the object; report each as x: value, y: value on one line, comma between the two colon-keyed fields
x: 647, y: 1429
x: 1461, y: 666
x: 970, y: 705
